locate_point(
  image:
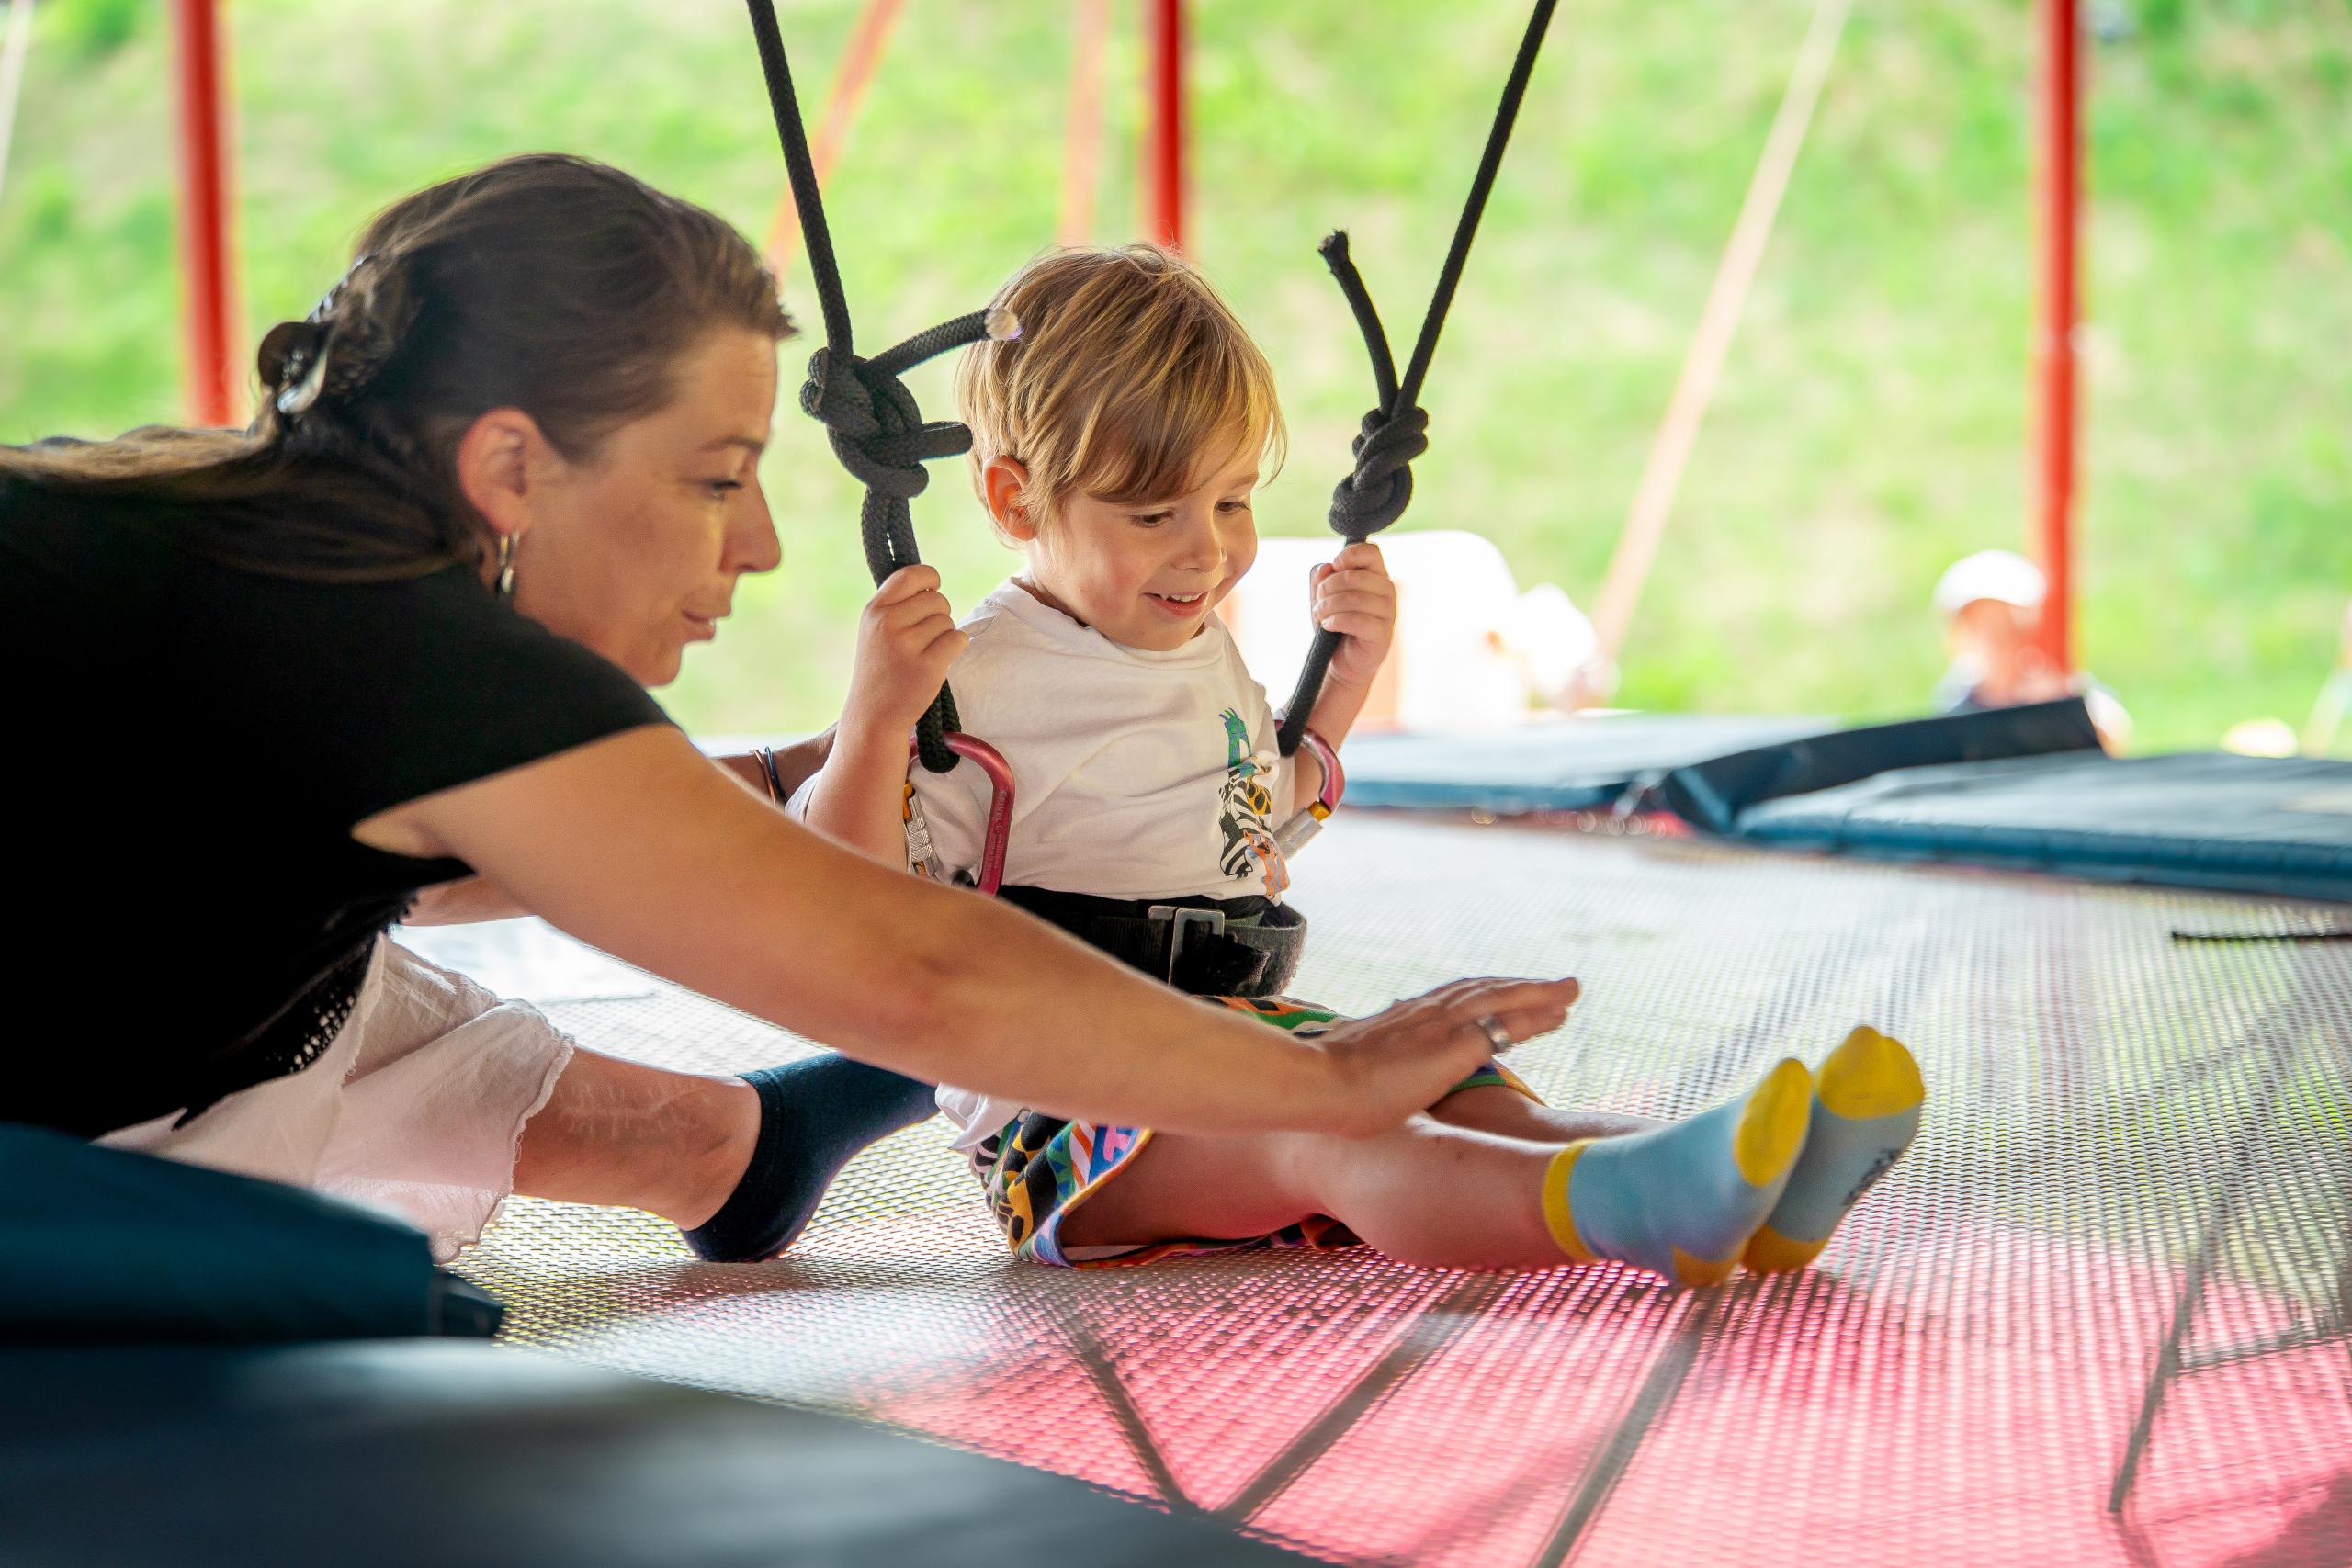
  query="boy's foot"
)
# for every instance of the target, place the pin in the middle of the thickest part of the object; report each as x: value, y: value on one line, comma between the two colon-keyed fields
x: 1681, y: 1201
x: 1866, y: 1103
x: 814, y: 1115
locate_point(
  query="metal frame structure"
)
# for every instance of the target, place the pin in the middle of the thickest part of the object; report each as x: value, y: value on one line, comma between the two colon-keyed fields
x: 2058, y: 299
x: 207, y: 260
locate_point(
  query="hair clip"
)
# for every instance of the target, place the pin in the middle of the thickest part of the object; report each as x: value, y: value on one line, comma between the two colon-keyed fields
x: 299, y: 395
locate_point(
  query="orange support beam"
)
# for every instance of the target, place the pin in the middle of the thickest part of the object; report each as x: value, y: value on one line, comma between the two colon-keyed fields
x: 206, y: 262
x: 2060, y: 191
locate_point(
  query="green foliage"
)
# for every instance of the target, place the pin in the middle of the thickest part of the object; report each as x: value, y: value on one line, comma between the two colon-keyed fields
x: 1870, y: 423
x: 89, y: 30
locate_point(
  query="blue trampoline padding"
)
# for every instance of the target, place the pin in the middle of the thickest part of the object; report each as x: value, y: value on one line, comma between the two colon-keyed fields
x: 1572, y: 764
x: 2250, y: 824
x: 101, y: 1246
x: 1713, y: 793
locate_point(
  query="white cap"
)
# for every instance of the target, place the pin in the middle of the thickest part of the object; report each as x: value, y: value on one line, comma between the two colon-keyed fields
x: 2004, y: 575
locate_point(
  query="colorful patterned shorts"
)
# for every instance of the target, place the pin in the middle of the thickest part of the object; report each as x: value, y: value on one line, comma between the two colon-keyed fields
x: 1037, y: 1169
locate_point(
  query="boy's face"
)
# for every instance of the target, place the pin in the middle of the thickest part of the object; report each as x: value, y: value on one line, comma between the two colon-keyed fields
x: 1148, y: 575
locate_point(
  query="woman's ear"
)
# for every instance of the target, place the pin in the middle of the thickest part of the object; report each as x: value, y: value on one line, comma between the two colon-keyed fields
x: 502, y: 469
x: 1003, y: 481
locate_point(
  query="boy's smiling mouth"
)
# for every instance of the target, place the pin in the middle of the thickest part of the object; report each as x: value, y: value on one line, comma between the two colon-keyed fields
x: 1180, y: 604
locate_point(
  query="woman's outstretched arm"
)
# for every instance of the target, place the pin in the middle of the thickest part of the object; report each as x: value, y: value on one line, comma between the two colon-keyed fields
x: 636, y: 844
x: 478, y: 899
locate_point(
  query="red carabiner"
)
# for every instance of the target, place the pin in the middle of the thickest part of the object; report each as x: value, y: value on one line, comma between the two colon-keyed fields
x: 1000, y: 827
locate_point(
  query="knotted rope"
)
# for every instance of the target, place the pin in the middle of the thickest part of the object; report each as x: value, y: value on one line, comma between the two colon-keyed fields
x: 869, y: 416
x: 1396, y: 429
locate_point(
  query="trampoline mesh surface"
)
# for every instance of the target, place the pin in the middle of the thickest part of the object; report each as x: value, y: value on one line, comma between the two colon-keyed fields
x: 2100, y: 1315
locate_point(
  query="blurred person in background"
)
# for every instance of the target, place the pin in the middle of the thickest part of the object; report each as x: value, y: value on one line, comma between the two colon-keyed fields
x: 1991, y: 605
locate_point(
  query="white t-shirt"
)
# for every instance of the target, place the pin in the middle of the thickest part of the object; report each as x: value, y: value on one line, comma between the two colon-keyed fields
x: 1136, y: 773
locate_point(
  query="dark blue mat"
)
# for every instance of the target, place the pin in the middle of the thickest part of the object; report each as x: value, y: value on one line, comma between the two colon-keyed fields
x: 1574, y: 765
x: 102, y: 1245
x: 382, y: 1454
x: 2024, y: 787
x: 1716, y: 794
x: 2250, y: 824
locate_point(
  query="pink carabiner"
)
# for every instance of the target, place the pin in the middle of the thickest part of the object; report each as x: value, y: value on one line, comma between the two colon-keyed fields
x: 1335, y: 781
x: 991, y: 762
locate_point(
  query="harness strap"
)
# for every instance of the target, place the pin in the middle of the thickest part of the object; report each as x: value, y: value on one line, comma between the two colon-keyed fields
x: 1397, y: 430
x: 1205, y: 947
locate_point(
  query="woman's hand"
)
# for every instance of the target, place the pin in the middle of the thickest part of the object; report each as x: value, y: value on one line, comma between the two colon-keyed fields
x: 1354, y: 595
x: 906, y: 640
x: 1405, y: 1059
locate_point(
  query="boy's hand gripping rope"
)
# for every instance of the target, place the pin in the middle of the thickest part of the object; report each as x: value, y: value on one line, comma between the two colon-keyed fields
x: 1397, y: 430
x: 868, y: 414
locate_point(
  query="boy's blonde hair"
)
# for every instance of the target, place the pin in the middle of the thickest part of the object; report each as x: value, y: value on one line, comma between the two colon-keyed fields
x: 1130, y: 376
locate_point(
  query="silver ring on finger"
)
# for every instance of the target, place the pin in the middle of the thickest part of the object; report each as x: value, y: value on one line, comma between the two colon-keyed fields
x: 1490, y: 1026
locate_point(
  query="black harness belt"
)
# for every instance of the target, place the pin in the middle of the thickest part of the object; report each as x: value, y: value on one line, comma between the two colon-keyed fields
x: 1208, y: 947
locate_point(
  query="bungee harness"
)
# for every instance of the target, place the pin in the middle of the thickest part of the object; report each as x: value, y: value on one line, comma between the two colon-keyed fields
x: 1210, y: 946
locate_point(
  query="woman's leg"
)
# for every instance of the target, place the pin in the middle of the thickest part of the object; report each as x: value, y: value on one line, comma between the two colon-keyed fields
x: 621, y: 1132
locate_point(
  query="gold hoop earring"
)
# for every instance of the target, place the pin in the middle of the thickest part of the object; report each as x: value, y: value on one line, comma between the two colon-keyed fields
x: 506, y: 566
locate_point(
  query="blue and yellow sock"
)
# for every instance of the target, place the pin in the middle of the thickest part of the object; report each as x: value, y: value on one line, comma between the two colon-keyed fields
x: 1681, y: 1201
x: 1866, y: 1103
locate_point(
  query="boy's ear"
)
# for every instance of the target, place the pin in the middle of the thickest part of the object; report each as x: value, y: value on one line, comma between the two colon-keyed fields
x: 1003, y: 482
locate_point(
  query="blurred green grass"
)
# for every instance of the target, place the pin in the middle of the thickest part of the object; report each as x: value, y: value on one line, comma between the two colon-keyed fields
x: 1869, y: 428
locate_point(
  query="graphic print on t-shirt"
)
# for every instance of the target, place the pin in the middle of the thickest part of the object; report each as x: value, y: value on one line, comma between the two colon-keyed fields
x: 1246, y: 804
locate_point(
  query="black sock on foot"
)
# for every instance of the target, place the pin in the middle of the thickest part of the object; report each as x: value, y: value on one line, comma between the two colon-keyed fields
x: 814, y: 1115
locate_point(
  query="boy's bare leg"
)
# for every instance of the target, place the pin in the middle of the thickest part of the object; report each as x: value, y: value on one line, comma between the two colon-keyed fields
x: 1495, y: 1108
x: 1680, y: 1198
x: 1425, y: 1193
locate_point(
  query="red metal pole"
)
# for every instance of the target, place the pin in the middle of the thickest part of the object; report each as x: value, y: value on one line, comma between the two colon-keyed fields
x: 1163, y: 173
x: 205, y: 262
x: 2057, y: 309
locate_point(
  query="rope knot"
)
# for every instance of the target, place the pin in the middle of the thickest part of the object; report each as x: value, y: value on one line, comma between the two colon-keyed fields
x: 1382, y: 486
x: 875, y: 428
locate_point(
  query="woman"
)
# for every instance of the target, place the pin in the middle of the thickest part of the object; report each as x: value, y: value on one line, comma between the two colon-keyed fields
x: 400, y: 633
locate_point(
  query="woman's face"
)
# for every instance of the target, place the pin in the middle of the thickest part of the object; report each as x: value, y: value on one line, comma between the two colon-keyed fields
x: 636, y: 552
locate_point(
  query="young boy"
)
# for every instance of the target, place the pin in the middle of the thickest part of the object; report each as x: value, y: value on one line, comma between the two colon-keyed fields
x: 1117, y: 442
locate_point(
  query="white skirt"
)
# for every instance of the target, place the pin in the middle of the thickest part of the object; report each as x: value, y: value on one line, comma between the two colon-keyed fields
x: 416, y: 1107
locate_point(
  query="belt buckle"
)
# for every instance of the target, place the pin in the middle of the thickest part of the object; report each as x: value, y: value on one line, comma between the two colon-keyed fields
x: 1180, y: 918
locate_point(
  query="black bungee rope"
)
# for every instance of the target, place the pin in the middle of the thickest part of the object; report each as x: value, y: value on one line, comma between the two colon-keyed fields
x: 1397, y: 430
x: 880, y: 437
x: 868, y: 414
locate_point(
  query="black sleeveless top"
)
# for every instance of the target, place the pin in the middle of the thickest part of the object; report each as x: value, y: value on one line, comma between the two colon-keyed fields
x: 194, y: 916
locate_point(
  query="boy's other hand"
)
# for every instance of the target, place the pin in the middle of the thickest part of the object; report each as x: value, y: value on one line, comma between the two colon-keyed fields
x: 906, y: 640
x: 1354, y: 596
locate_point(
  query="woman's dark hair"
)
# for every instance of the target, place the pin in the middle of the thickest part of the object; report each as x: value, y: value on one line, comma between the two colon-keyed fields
x: 552, y: 283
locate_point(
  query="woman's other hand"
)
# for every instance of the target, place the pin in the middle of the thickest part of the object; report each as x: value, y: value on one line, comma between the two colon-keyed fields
x: 1405, y: 1058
